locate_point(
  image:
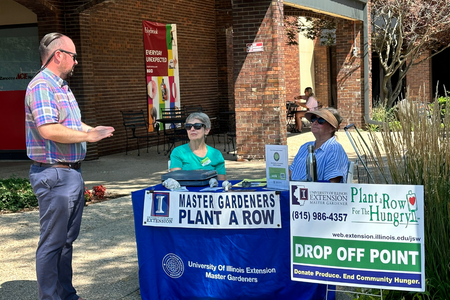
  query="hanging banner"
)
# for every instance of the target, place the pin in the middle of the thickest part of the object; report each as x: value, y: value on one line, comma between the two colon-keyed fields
x: 233, y: 210
x: 161, y: 65
x: 364, y: 235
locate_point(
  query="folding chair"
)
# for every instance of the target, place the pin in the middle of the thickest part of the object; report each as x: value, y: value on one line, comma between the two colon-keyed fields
x: 350, y: 171
x: 368, y: 168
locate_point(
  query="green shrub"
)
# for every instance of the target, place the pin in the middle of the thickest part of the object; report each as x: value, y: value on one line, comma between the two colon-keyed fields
x: 442, y: 103
x: 16, y: 193
x: 381, y: 113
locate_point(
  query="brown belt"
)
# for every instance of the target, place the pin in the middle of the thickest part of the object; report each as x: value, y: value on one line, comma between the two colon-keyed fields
x: 67, y: 165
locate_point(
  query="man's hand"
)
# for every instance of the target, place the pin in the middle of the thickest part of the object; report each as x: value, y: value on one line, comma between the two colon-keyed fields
x: 61, y: 134
x: 100, y: 132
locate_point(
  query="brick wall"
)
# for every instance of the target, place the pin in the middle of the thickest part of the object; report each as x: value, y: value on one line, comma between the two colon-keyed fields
x: 322, y: 74
x: 291, y: 68
x: 322, y: 63
x: 111, y: 75
x: 118, y: 57
x: 347, y: 77
x: 224, y: 34
x: 418, y: 80
x: 350, y: 83
x: 215, y: 70
x: 259, y: 77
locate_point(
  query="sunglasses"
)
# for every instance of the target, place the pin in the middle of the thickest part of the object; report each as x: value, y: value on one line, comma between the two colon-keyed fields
x: 197, y: 126
x: 321, y: 121
x: 74, y: 55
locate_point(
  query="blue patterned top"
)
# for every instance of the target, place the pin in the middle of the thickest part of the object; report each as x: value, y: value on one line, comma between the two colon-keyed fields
x: 332, y: 161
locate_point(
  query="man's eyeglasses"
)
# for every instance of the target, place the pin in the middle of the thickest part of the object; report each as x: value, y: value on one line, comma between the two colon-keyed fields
x: 197, y: 126
x: 74, y: 55
x: 321, y: 121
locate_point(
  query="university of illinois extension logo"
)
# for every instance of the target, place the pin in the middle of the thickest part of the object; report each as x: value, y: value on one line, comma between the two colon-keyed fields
x: 160, y: 204
x: 299, y: 194
x: 173, y: 265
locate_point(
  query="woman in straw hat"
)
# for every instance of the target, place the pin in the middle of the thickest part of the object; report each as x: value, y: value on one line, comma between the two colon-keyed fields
x: 332, y: 161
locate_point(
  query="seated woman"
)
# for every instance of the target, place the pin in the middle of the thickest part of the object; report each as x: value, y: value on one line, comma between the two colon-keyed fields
x: 301, y: 109
x: 332, y: 161
x: 196, y: 155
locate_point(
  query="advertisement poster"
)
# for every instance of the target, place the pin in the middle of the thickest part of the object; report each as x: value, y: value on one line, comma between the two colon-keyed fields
x: 161, y: 65
x: 362, y: 235
x: 277, y: 172
x: 240, y: 210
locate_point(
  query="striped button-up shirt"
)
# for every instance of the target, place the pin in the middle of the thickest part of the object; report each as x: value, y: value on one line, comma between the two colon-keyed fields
x: 332, y: 161
x: 49, y: 100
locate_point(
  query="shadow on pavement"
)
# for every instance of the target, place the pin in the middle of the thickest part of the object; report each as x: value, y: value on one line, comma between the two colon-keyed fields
x: 19, y: 289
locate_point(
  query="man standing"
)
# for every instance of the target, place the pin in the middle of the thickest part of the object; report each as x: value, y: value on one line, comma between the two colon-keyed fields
x: 56, y: 142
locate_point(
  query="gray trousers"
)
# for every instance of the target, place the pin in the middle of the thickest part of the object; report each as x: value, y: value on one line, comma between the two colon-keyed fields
x: 60, y: 193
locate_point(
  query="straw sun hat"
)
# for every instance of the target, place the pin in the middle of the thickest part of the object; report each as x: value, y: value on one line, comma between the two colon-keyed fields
x: 325, y: 114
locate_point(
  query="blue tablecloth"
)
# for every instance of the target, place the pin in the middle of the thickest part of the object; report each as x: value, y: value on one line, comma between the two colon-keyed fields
x: 198, y: 251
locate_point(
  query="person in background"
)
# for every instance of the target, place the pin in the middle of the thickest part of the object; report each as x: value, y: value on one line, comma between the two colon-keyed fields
x: 332, y: 161
x: 196, y: 155
x: 301, y: 109
x: 56, y: 143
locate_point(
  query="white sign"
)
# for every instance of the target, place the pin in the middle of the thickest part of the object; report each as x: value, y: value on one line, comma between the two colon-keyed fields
x: 226, y: 210
x: 363, y: 235
x: 277, y: 172
x: 255, y: 47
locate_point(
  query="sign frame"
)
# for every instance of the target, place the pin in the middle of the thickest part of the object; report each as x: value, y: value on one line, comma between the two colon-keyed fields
x: 359, y: 235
